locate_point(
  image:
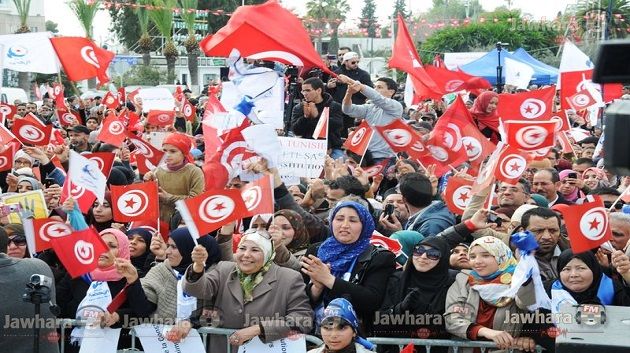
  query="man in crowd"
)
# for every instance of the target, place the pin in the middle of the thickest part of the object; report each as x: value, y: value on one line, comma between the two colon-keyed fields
x: 79, y: 139
x: 545, y: 225
x: 389, y: 224
x: 381, y: 110
x: 427, y: 216
x: 620, y: 226
x: 306, y: 115
x: 513, y: 196
x: 546, y: 183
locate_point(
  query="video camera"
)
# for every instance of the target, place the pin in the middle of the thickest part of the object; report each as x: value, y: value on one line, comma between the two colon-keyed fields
x: 611, y: 66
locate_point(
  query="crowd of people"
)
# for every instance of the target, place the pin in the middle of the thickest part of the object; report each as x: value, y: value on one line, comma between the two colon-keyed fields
x: 311, y: 267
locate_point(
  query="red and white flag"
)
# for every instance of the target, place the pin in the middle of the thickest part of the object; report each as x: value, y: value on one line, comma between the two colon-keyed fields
x: 587, y: 224
x: 104, y: 160
x: 485, y: 177
x: 532, y: 105
x: 6, y: 136
x: 82, y: 59
x: 110, y: 100
x: 135, y: 202
x: 189, y: 111
x: 209, y: 211
x: 144, y: 165
x: 258, y: 196
x: 46, y: 228
x: 68, y: 117
x: 79, y: 252
x: 84, y: 198
x: 530, y: 135
x: 30, y: 130
x: 113, y: 131
x: 6, y: 159
x: 388, y: 243
x: 152, y: 226
x: 7, y: 111
x: 151, y: 153
x: 512, y: 164
x: 321, y: 130
x: 226, y: 162
x: 402, y: 138
x: 358, y: 140
x: 378, y: 168
x: 582, y: 100
x: 161, y: 117
x: 565, y: 142
x: 562, y: 120
x: 122, y: 96
x: 458, y: 194
x: 405, y: 57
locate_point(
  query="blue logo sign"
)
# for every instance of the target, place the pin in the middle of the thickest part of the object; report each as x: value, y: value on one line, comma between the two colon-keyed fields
x: 17, y: 51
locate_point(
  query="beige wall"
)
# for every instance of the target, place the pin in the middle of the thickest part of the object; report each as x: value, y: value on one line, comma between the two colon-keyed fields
x: 10, y: 23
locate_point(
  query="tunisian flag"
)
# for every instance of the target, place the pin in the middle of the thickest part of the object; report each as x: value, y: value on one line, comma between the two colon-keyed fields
x: 82, y: 59
x: 209, y: 211
x: 135, y: 202
x: 458, y: 194
x: 405, y: 57
x: 113, y: 131
x: 587, y: 224
x: 30, y: 130
x: 533, y: 105
x: 530, y: 136
x: 161, y: 117
x: 358, y: 141
x: 79, y: 252
x: 258, y: 196
x: 266, y: 31
x: 46, y: 228
x: 402, y: 138
x: 452, y: 81
x: 512, y: 164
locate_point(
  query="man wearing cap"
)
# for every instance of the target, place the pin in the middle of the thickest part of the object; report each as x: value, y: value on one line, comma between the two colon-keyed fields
x: 79, y: 139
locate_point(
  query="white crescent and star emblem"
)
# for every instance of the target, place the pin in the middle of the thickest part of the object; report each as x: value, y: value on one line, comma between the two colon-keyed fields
x: 532, y: 108
x: 473, y: 147
x: 142, y: 147
x: 580, y: 100
x: 88, y: 55
x: 252, y: 197
x: 594, y: 223
x: 31, y: 133
x: 531, y: 137
x: 84, y: 252
x: 4, y: 161
x: 438, y: 153
x: 76, y: 191
x: 133, y: 203
x: 116, y: 128
x: 358, y: 136
x: 54, y: 229
x: 453, y: 137
x: 453, y: 85
x: 216, y: 208
x: 163, y: 118
x: 398, y: 137
x: 513, y: 166
x: 187, y: 110
x: 462, y: 196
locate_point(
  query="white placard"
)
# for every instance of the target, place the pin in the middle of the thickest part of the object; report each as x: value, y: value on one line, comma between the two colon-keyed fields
x: 263, y: 139
x: 224, y: 121
x: 156, y: 138
x: 153, y: 340
x: 156, y: 99
x: 302, y: 157
x: 295, y: 344
x: 100, y: 340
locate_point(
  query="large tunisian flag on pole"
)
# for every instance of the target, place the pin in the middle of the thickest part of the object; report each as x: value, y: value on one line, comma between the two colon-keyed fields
x: 82, y: 59
x: 405, y: 57
x: 266, y: 31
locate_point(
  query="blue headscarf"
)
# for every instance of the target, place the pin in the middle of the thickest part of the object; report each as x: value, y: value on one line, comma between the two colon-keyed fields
x: 341, y: 256
x: 342, y: 308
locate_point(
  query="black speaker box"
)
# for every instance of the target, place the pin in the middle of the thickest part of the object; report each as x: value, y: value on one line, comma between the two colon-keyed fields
x: 617, y: 138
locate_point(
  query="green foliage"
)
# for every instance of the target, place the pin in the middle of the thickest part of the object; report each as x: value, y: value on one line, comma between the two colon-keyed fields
x: 485, y: 35
x: 22, y: 7
x: 368, y: 18
x: 590, y: 11
x: 52, y: 27
x: 142, y: 75
x: 189, y: 17
x: 332, y: 12
x: 216, y: 22
x: 163, y: 18
x: 400, y: 8
x: 143, y: 16
x: 85, y: 12
x: 454, y: 9
x: 126, y: 25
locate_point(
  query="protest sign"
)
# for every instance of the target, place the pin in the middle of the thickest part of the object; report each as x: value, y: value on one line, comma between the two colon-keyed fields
x: 153, y: 339
x: 156, y: 99
x: 302, y: 157
x: 293, y: 344
x: 100, y: 340
x: 31, y: 201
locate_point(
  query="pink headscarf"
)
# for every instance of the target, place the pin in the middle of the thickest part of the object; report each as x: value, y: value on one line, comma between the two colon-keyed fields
x: 575, y: 194
x: 110, y: 273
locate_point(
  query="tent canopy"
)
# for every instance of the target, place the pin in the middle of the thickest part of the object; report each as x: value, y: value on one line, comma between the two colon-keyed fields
x: 486, y: 67
x: 522, y: 55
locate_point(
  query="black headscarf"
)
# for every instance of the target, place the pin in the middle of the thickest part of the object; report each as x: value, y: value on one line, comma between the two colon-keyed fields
x: 432, y: 284
x: 140, y: 261
x: 589, y: 296
x: 185, y: 245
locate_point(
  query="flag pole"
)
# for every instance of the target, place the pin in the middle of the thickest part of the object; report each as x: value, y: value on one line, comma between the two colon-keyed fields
x: 612, y: 207
x: 363, y: 155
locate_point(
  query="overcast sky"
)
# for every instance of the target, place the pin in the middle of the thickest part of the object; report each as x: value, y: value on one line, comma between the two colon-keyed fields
x: 59, y: 12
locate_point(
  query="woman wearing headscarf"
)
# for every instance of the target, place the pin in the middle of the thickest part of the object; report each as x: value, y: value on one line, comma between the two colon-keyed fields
x: 290, y: 238
x: 100, y: 215
x: 347, y: 265
x: 140, y: 249
x: 254, y: 295
x: 570, y: 189
x: 484, y: 112
x: 408, y: 239
x: 582, y: 281
x: 161, y: 295
x: 594, y: 178
x: 27, y: 183
x: 474, y: 309
x: 17, y: 247
x: 419, y: 290
x: 340, y: 330
x: 179, y: 178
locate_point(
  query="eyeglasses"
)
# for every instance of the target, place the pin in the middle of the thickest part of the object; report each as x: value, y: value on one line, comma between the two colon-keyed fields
x: 432, y: 254
x: 17, y: 240
x: 263, y: 233
x: 618, y: 205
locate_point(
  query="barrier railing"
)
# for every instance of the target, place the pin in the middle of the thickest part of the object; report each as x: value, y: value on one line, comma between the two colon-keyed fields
x: 428, y: 343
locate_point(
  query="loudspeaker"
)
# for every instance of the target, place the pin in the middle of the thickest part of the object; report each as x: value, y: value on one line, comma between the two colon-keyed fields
x: 616, y: 140
x: 611, y: 62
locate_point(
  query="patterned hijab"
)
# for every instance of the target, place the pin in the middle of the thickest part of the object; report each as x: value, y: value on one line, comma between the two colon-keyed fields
x: 503, y: 276
x: 250, y: 281
x: 301, y: 238
x: 341, y: 256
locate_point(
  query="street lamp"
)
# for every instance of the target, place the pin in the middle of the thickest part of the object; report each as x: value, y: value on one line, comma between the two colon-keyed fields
x: 499, y: 67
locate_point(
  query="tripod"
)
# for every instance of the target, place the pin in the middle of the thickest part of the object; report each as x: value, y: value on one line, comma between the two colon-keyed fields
x: 36, y: 294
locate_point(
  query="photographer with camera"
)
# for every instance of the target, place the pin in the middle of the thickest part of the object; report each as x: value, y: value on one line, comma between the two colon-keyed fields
x: 20, y: 320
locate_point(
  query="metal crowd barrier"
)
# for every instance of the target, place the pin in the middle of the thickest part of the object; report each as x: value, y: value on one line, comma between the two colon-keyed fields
x: 428, y: 343
x: 205, y: 331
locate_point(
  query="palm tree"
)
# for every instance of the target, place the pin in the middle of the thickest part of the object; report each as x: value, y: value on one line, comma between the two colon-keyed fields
x: 145, y: 44
x: 85, y: 12
x: 189, y: 12
x: 592, y: 14
x: 332, y: 12
x: 162, y: 16
x: 23, y: 7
